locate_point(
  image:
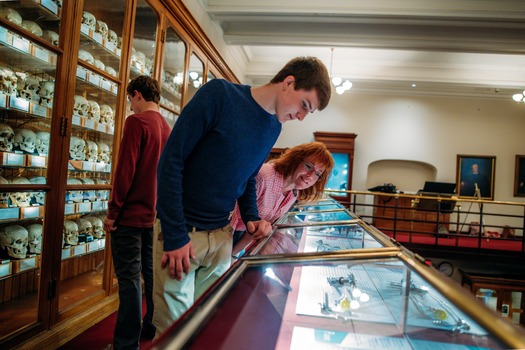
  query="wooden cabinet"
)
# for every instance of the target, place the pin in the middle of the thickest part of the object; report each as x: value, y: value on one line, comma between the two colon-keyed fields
x: 342, y: 147
x: 64, y: 69
x: 503, y: 294
x: 390, y: 212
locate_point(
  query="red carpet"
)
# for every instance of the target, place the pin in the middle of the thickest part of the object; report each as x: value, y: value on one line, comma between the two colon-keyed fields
x: 100, y: 335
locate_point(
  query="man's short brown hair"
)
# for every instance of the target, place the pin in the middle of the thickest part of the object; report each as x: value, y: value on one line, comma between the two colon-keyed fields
x: 309, y: 73
x: 147, y: 86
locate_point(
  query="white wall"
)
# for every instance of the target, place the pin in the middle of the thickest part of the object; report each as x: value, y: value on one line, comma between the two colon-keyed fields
x: 433, y: 130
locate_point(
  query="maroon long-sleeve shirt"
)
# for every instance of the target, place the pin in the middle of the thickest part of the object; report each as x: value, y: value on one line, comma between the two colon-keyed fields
x: 134, y: 191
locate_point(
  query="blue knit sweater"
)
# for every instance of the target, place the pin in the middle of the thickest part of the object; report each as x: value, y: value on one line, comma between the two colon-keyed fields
x: 212, y: 156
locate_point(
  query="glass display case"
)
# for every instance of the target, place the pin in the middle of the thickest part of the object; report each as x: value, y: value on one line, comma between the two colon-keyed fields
x: 29, y: 46
x: 320, y: 205
x: 64, y: 66
x: 379, y: 299
x: 95, y: 107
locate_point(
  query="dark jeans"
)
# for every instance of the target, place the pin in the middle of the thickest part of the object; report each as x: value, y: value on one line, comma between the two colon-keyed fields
x: 132, y: 254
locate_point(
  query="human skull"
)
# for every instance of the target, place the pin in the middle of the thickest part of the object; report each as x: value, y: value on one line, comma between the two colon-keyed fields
x: 4, y: 197
x: 8, y: 81
x: 38, y: 197
x: 20, y: 199
x: 80, y: 106
x: 42, y: 142
x: 92, y: 151
x: 47, y: 92
x: 86, y: 56
x: 111, y: 71
x: 107, y: 116
x: 30, y: 90
x: 98, y: 226
x: 91, y: 194
x: 51, y: 37
x: 84, y: 227
x: 102, y: 29
x: 77, y: 149
x: 35, y: 238
x: 11, y: 15
x: 99, y: 64
x: 14, y: 240
x: 25, y: 140
x: 113, y: 37
x: 103, y: 152
x: 32, y: 27
x: 89, y: 20
x: 70, y: 232
x: 7, y: 136
x: 74, y: 196
x: 94, y: 111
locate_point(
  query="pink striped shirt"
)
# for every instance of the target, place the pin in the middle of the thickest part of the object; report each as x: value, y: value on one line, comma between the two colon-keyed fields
x: 271, y: 201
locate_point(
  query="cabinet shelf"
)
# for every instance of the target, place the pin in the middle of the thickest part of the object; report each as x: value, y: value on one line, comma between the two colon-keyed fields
x: 24, y: 55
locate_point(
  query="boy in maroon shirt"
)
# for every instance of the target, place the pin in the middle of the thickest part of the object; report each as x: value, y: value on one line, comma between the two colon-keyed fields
x: 131, y: 212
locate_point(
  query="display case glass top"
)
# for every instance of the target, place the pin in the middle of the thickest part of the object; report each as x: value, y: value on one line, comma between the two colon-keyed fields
x: 359, y: 303
x: 305, y: 217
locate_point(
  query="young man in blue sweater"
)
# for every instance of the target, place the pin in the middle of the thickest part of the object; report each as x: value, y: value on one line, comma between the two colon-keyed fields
x: 210, y: 161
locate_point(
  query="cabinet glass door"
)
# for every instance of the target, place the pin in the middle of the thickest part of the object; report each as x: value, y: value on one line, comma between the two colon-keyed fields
x: 143, y: 42
x: 195, y: 73
x: 172, y: 76
x: 28, y: 45
x: 90, y: 152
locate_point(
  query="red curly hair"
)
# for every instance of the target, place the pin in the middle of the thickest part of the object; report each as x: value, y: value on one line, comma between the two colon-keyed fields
x: 292, y: 158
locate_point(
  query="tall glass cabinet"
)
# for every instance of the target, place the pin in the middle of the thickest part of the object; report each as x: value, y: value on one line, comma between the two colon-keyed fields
x: 64, y: 68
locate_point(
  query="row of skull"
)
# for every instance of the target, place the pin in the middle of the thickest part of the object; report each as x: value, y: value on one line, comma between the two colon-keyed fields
x: 101, y: 28
x: 91, y: 195
x: 13, y: 16
x: 17, y: 240
x: 28, y: 87
x: 93, y: 111
x: 80, y: 149
x: 22, y: 199
x: 91, y: 225
x: 25, y: 140
x: 139, y: 60
x: 88, y: 57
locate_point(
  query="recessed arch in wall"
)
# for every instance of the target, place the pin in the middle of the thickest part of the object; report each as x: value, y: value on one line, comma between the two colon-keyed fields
x: 406, y: 175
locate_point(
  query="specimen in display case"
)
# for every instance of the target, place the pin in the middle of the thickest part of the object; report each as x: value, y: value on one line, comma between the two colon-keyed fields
x: 344, y: 285
x: 379, y: 300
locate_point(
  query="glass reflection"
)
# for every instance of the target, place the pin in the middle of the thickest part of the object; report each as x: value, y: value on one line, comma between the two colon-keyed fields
x: 194, y: 76
x: 172, y: 74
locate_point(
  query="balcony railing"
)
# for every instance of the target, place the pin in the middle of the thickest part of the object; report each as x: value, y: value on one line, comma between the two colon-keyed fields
x: 443, y: 222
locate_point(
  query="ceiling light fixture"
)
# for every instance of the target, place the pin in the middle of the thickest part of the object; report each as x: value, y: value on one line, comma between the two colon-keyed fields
x: 520, y: 98
x: 340, y: 86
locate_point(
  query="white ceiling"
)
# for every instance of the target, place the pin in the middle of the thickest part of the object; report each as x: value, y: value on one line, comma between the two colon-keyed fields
x: 457, y: 47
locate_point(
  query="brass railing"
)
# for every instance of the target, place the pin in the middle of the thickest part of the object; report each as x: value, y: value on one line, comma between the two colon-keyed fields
x: 442, y: 220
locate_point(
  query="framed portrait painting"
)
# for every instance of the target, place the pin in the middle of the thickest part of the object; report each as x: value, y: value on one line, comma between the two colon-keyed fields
x: 519, y: 177
x: 475, y: 176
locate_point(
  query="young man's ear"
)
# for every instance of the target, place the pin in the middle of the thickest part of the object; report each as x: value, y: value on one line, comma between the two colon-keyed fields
x: 288, y: 81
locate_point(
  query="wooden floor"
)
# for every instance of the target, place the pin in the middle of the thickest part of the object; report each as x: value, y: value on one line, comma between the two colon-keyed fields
x: 21, y: 312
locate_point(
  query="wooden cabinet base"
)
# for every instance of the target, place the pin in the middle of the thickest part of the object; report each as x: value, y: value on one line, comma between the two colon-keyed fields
x: 67, y: 330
